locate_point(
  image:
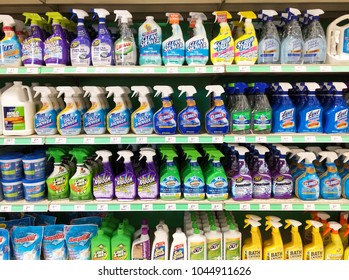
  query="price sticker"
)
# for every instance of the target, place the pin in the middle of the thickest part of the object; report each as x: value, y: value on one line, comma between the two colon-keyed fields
x: 245, y: 206
x: 58, y: 70
x: 200, y: 69
x: 264, y: 207
x: 12, y: 71
x: 217, y: 207
x: 9, y: 141
x: 325, y: 68
x: 170, y: 206
x: 218, y: 69
x: 115, y: 140
x: 275, y: 68
x: 33, y: 70
x: 217, y: 139
x: 286, y: 139
x: 124, y: 70
x: 100, y: 70
x: 336, y: 138
x: 261, y: 139
x: 79, y: 207
x: 193, y: 139
x: 170, y: 139
x: 147, y: 207
x: 5, y: 208
x: 240, y: 139
x: 193, y: 206
x: 309, y: 207
x: 141, y: 140
x: 81, y: 69
x: 28, y: 208
x: 300, y: 68
x: 309, y: 138
x: 36, y: 141
x: 148, y: 70
x: 335, y: 207
x: 244, y: 68
x: 88, y: 140
x: 172, y: 69
x: 60, y: 140
x: 55, y: 207
x: 125, y: 207
x: 102, y: 207
x: 286, y: 207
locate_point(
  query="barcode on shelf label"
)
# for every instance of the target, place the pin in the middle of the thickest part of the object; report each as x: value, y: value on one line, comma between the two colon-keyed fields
x: 264, y: 207
x: 28, y: 208
x: 141, y: 140
x: 55, y: 207
x: 124, y: 70
x: 36, y: 141
x: 217, y: 139
x: 115, y: 140
x: 148, y: 70
x: 58, y: 69
x: 287, y: 139
x: 336, y: 138
x: 275, y: 68
x: 193, y: 206
x: 88, y: 140
x: 172, y: 69
x: 240, y: 139
x: 170, y: 139
x: 245, y: 206
x: 60, y: 140
x: 5, y: 208
x: 12, y: 71
x: 335, y: 207
x: 217, y: 207
x: 309, y: 207
x: 244, y: 68
x: 170, y: 206
x: 325, y: 68
x: 81, y: 69
x: 286, y: 207
x: 218, y: 69
x: 193, y: 139
x: 147, y: 207
x: 102, y: 207
x: 79, y: 207
x: 300, y: 68
x: 309, y: 138
x: 100, y: 70
x: 261, y: 139
x: 200, y: 69
x: 9, y: 141
x: 125, y: 207
x: 33, y: 70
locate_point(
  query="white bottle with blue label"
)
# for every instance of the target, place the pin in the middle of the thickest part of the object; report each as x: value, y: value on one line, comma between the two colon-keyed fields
x: 142, y: 118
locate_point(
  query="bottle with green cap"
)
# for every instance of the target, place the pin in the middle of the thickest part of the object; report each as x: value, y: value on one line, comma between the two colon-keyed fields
x: 100, y: 246
x: 197, y: 246
x: 121, y: 244
x: 58, y: 181
x: 81, y: 182
x: 214, y: 243
x: 232, y: 243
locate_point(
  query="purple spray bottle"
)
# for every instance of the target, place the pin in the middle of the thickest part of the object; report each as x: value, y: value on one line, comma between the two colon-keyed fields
x: 103, y: 182
x: 126, y: 181
x: 261, y: 175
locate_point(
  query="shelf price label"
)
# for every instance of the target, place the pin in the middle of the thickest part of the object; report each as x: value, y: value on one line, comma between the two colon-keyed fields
x: 245, y: 207
x: 172, y: 70
x: 300, y: 68
x: 240, y: 139
x: 147, y: 207
x: 193, y: 206
x: 217, y: 207
x: 170, y: 207
x: 12, y: 71
x: 54, y: 207
x: 335, y: 207
x: 325, y: 68
x: 286, y: 207
x: 9, y: 141
x: 36, y: 141
x: 5, y: 208
x: 170, y: 139
x: 141, y: 140
x: 60, y: 140
x: 264, y: 207
x: 81, y: 69
x: 200, y: 69
x: 149, y: 70
x: 115, y: 140
x: 309, y: 207
x: 286, y: 139
x: 58, y: 69
x: 79, y: 207
x: 275, y: 68
x: 102, y: 207
x: 88, y: 140
x: 125, y: 207
x: 309, y: 138
x: 261, y: 139
x: 33, y: 70
x: 28, y: 208
x: 218, y: 69
x: 336, y: 138
x: 193, y: 139
x: 100, y: 70
x: 217, y: 139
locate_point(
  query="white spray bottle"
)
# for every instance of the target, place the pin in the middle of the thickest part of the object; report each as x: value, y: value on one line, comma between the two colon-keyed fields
x: 142, y: 118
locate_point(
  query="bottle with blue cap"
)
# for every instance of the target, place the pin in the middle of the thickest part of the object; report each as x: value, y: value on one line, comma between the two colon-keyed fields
x: 261, y: 115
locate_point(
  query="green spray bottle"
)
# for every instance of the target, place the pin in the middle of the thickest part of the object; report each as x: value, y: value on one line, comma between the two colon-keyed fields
x: 121, y: 244
x: 58, y: 181
x: 100, y: 247
x: 81, y: 182
x: 193, y: 178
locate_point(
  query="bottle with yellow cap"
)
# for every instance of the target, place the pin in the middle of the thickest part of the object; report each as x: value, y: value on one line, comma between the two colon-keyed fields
x: 334, y: 250
x: 294, y: 249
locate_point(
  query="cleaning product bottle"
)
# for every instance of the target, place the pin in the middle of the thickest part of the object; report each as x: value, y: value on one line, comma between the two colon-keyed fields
x: 274, y: 251
x: 142, y: 118
x: 173, y: 53
x: 315, y: 249
x: 318, y: 165
x: 10, y: 47
x: 240, y: 113
x: 100, y: 246
x: 179, y: 248
x: 330, y: 181
x: 315, y: 39
x: 345, y: 181
x: 125, y: 48
x: 222, y: 46
x: 252, y: 250
x: 284, y: 114
x: 189, y: 118
x: 261, y: 175
x: 310, y: 116
x: 121, y: 244
x: 292, y: 44
x: 246, y: 46
x: 80, y: 101
x: 103, y: 182
x: 232, y: 243
x: 217, y: 116
x: 346, y: 251
x: 294, y: 249
x: 196, y: 48
x: 149, y: 43
x: 141, y: 247
x: 343, y: 216
x: 160, y: 245
x: 269, y: 41
x: 148, y: 178
x: 20, y: 31
x: 197, y: 246
x: 94, y: 120
x: 56, y: 48
x: 45, y: 121
x: 125, y: 181
x: 80, y: 47
x: 214, y: 244
x: 261, y: 115
x: 165, y: 119
x: 58, y: 181
x: 323, y: 217
x: 307, y: 185
x: 336, y: 116
x: 32, y: 48
x: 138, y: 232
x: 102, y: 47
x: 81, y: 182
x: 69, y: 119
x: 334, y: 250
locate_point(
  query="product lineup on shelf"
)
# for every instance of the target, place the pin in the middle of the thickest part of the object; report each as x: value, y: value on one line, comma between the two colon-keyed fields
x: 293, y: 38
x: 203, y: 236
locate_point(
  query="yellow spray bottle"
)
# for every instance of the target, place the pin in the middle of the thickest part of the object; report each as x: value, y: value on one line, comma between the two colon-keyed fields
x: 257, y: 219
x: 252, y: 250
x: 269, y: 241
x: 222, y: 46
x: 315, y: 249
x: 346, y: 252
x: 334, y: 250
x: 246, y: 46
x: 294, y: 249
x: 274, y: 251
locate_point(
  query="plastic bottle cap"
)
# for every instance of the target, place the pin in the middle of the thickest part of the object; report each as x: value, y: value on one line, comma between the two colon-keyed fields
x: 196, y: 231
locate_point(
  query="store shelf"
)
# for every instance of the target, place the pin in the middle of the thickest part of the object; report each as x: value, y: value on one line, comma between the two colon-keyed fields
x: 22, y: 140
x: 23, y: 206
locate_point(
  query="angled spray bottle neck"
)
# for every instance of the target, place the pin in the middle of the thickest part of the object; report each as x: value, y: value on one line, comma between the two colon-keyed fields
x: 315, y: 226
x: 56, y: 18
x: 105, y: 156
x: 81, y: 31
x: 174, y: 19
x: 165, y: 92
x: 57, y: 155
x: 330, y: 160
x: 198, y: 18
x: 217, y: 91
x: 222, y: 18
x: 243, y: 168
x: 334, y: 228
x: 94, y: 93
x: 294, y: 229
x: 46, y: 94
x: 36, y: 22
x: 68, y: 93
x: 144, y: 98
x: 189, y: 91
x: 80, y: 156
x: 118, y: 93
x: 148, y: 154
x: 282, y: 166
x: 249, y: 16
x: 102, y: 27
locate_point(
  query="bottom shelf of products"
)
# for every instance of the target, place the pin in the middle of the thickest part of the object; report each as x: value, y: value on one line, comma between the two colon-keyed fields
x: 180, y: 235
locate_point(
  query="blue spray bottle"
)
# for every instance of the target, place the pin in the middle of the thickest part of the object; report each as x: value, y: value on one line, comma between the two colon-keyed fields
x: 345, y: 179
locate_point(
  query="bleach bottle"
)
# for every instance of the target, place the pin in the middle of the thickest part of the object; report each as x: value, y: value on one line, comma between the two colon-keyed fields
x: 142, y: 118
x: 217, y: 117
x: 165, y: 119
x: 330, y: 181
x: 149, y: 43
x: 80, y: 47
x: 189, y: 118
x: 102, y: 47
x: 126, y: 181
x: 196, y: 48
x: 10, y: 48
x: 103, y: 182
x: 119, y: 118
x: 148, y: 177
x: 173, y: 53
x: 261, y: 176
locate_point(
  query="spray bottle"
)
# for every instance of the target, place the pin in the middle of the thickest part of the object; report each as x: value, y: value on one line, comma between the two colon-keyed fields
x: 334, y: 250
x: 315, y: 249
x: 318, y: 165
x: 261, y: 115
x: 294, y: 249
x: 253, y: 249
x: 261, y: 175
x: 274, y: 251
x: 10, y: 47
x: 345, y: 179
x: 346, y: 251
x: 102, y: 47
x: 142, y: 118
x: 343, y: 216
x: 126, y: 181
x: 80, y: 47
x: 103, y: 182
x: 94, y: 120
x: 148, y: 178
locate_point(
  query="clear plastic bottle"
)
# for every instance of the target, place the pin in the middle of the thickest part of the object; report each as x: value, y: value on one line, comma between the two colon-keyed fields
x: 261, y: 116
x: 240, y: 114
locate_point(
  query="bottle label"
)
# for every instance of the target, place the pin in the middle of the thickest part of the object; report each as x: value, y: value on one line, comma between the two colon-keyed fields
x: 14, y: 118
x: 170, y: 188
x: 165, y: 121
x: 59, y: 183
x: 252, y: 255
x: 120, y: 252
x: 307, y: 188
x: 241, y: 121
x: 189, y: 120
x: 32, y: 51
x: 53, y: 50
x: 101, y: 52
x: 294, y: 254
x: 103, y: 186
x: 274, y: 256
x: 341, y: 120
x: 147, y: 186
x: 94, y: 122
x: 70, y: 123
x: 81, y: 186
x: 197, y: 251
x: 330, y: 187
x: 262, y: 121
x: 194, y: 188
x: 173, y: 52
x: 315, y: 255
x: 244, y: 49
x: 160, y: 251
x: 313, y: 119
x: 217, y: 121
x: 142, y: 122
x: 178, y: 252
x: 217, y: 189
x: 261, y: 186
x: 232, y: 249
x: 125, y: 187
x: 283, y: 186
x: 314, y: 51
x: 141, y: 251
x: 214, y: 249
x: 45, y: 122
x: 118, y: 122
x: 268, y: 51
x: 242, y: 187
x: 196, y: 51
x: 149, y: 45
x: 287, y: 119
x: 80, y: 52
x: 124, y: 52
x: 10, y: 51
x: 101, y: 253
x: 294, y: 50
x: 222, y: 50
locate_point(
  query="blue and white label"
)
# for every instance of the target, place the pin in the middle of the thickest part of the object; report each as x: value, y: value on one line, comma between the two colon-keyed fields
x: 70, y: 123
x: 313, y: 119
x: 80, y: 52
x: 194, y: 188
x: 26, y: 242
x: 149, y: 46
x: 189, y: 120
x: 4, y: 244
x: 165, y: 121
x: 142, y: 122
x: 196, y: 51
x: 45, y: 123
x: 95, y: 122
x: 217, y: 189
x: 54, y: 246
x: 341, y: 120
x: 268, y: 51
x: 217, y: 121
x: 314, y: 51
x: 119, y: 122
x: 173, y: 52
x: 170, y: 187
